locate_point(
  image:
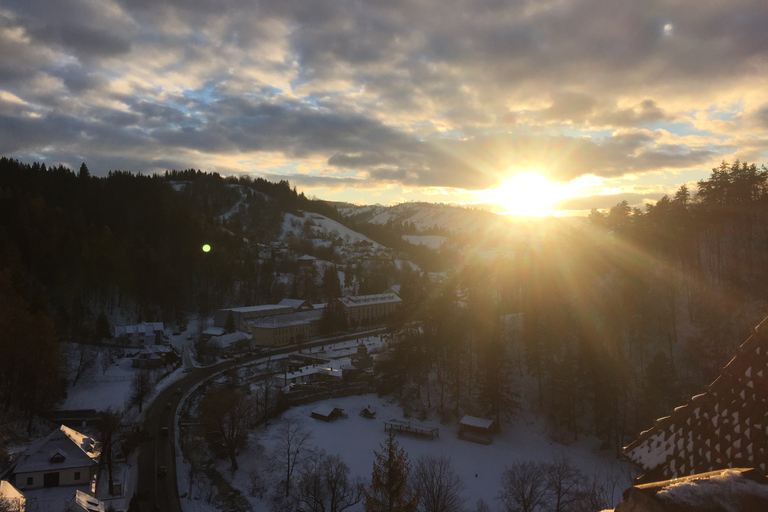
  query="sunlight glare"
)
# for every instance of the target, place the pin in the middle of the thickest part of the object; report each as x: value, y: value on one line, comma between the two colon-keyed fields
x: 526, y: 193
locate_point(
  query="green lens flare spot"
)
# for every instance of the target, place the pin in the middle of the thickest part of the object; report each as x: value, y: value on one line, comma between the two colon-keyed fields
x: 206, y: 248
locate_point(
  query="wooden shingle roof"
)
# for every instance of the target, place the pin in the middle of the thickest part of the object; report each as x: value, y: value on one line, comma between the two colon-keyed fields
x: 725, y: 427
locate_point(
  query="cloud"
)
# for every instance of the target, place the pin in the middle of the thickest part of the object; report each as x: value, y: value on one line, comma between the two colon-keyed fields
x: 417, y: 94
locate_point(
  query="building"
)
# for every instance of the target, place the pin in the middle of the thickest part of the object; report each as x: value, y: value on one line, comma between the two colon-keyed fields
x: 144, y: 333
x: 308, y: 374
x: 368, y: 309
x: 242, y: 316
x: 147, y: 359
x: 11, y: 500
x: 726, y: 427
x: 230, y: 344
x: 64, y: 457
x: 297, y: 304
x: 306, y: 261
x: 286, y: 329
x: 361, y: 359
x: 83, y: 502
x: 477, y: 430
x: 327, y: 413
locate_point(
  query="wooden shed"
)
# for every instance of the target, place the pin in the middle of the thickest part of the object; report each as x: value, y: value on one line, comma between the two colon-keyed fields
x: 477, y: 430
x: 327, y: 413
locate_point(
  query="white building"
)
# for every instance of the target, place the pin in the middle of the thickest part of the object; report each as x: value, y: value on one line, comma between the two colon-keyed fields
x: 64, y: 457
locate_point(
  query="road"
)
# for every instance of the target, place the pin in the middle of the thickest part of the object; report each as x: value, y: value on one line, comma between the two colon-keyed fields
x: 160, y: 493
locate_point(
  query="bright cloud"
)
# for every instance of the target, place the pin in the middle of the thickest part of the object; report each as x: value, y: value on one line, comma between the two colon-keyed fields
x: 402, y: 98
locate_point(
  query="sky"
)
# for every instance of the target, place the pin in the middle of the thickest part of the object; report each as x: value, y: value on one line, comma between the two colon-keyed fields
x: 539, y: 106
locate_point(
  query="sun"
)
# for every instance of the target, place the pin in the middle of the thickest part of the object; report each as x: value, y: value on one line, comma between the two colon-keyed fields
x: 526, y: 193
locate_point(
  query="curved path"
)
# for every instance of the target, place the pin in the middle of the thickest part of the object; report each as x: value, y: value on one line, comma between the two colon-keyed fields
x: 158, y: 492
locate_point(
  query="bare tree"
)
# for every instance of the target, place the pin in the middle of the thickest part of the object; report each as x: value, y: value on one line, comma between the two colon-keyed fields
x: 325, y: 486
x: 482, y: 506
x: 83, y: 361
x: 229, y: 413
x: 290, y: 438
x: 437, y: 484
x: 107, y: 359
x: 524, y: 487
x: 595, y: 494
x: 110, y: 429
x: 565, y: 484
x: 141, y: 386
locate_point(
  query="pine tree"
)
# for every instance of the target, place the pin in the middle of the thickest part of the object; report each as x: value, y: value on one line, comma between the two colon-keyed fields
x: 389, y: 490
x: 230, y: 326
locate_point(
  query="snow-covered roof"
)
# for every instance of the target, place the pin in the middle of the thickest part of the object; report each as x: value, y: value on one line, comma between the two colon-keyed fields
x: 146, y: 353
x: 214, y: 331
x: 9, y: 492
x: 311, y: 370
x: 472, y: 421
x: 324, y: 410
x: 69, y: 448
x: 82, y: 502
x: 145, y: 328
x: 295, y: 303
x: 225, y: 340
x: 253, y: 309
x: 364, y: 300
x: 722, y: 428
x: 278, y: 321
x: 728, y: 489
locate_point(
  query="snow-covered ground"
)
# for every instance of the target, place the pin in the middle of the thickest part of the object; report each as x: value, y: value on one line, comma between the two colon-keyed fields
x: 480, y: 466
x: 293, y: 225
x: 355, y: 438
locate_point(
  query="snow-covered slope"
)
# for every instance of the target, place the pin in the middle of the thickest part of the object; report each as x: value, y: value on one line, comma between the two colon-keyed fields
x: 321, y: 227
x: 424, y: 216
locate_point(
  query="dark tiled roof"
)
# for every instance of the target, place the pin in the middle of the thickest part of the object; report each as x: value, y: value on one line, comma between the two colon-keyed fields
x: 725, y: 427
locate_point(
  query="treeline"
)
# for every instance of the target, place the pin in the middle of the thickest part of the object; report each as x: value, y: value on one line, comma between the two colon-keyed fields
x: 619, y: 320
x: 637, y: 312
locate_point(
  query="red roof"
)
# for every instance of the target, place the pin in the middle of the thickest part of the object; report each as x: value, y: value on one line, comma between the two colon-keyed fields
x: 725, y: 427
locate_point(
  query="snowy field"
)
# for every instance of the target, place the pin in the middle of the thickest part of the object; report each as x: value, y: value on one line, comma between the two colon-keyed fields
x: 355, y: 438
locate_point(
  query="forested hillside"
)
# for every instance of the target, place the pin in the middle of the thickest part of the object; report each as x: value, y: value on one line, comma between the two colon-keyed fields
x: 600, y: 325
x: 624, y: 317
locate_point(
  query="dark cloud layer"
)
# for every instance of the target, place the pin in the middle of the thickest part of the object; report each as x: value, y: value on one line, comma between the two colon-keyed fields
x: 417, y: 94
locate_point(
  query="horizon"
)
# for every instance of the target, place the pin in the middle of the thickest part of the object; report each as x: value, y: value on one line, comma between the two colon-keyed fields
x: 540, y: 109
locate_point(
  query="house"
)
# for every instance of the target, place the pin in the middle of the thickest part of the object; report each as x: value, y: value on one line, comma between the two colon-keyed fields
x: 306, y: 261
x: 140, y: 334
x: 362, y: 359
x: 11, y: 500
x: 327, y: 413
x: 368, y: 412
x: 297, y: 304
x: 366, y: 309
x: 147, y: 359
x: 64, y: 457
x: 726, y: 427
x: 279, y: 330
x: 477, y: 430
x: 245, y: 314
x: 230, y: 344
x: 309, y: 374
x: 83, y: 502
x: 210, y: 332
